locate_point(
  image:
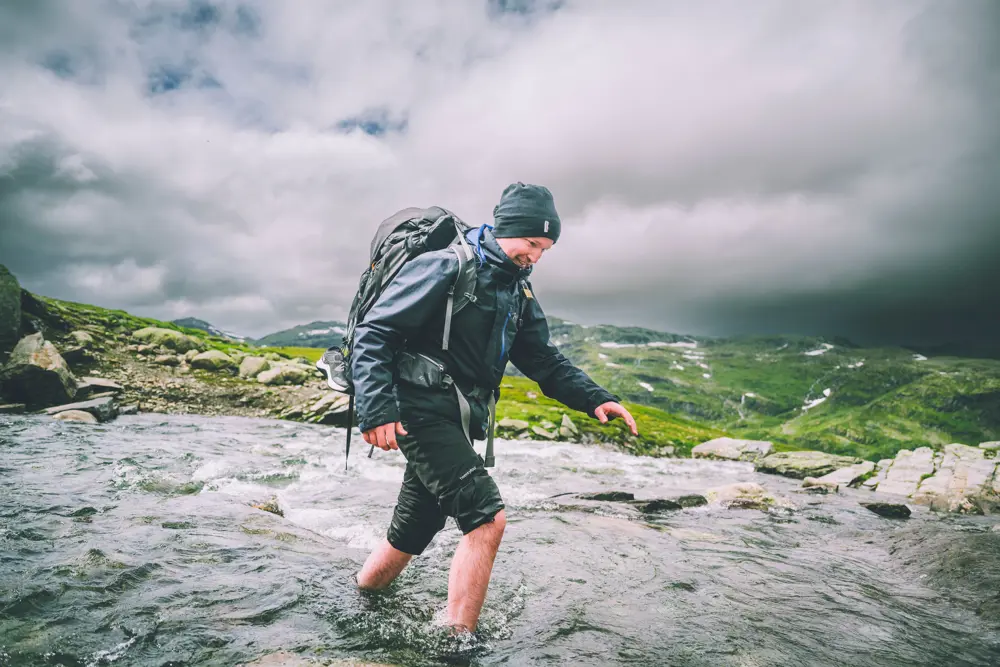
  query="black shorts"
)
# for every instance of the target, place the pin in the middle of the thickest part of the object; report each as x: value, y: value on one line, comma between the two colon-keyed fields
x: 444, y: 476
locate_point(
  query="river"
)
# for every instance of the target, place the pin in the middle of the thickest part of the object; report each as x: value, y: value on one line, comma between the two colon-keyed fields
x: 135, y: 543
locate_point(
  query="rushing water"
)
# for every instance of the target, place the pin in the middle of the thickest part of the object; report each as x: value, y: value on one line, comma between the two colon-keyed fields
x: 135, y: 543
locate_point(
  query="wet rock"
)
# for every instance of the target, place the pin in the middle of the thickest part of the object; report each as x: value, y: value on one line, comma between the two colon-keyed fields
x: 818, y: 485
x: 251, y: 367
x: 692, y: 500
x: 656, y: 505
x: 513, y: 425
x: 331, y: 409
x: 10, y: 312
x: 800, y: 465
x: 103, y: 407
x: 744, y: 495
x: 961, y: 481
x: 89, y: 386
x: 167, y: 360
x: 849, y: 476
x: 269, y: 505
x: 567, y: 429
x: 168, y: 338
x: 130, y: 409
x: 283, y: 374
x: 287, y: 659
x: 12, y: 408
x: 76, y: 416
x: 213, y: 360
x: 906, y: 471
x: 613, y: 496
x: 732, y: 449
x: 888, y: 510
x: 36, y: 374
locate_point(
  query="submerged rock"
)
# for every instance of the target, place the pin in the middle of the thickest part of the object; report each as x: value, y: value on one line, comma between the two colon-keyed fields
x: 732, y: 449
x: 889, y: 510
x: 103, y: 407
x: 743, y: 495
x: 613, y: 496
x: 36, y: 374
x: 804, y: 464
x: 76, y: 416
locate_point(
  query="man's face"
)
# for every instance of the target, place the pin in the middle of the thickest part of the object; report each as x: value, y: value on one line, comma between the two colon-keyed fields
x: 525, y: 251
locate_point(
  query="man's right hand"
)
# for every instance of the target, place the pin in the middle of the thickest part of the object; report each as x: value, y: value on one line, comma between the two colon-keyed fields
x: 384, y: 436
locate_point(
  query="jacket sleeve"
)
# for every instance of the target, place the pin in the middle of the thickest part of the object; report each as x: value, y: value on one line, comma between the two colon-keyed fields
x: 418, y: 291
x: 535, y: 356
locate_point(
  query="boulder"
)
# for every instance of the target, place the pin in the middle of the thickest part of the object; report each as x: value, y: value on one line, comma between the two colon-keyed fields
x: 567, y: 429
x: 849, y: 476
x: 75, y: 416
x: 191, y: 354
x: 819, y: 485
x: 513, y: 425
x: 10, y: 313
x: 888, y: 510
x: 13, y: 408
x: 804, y: 464
x: 906, y: 471
x: 251, y: 367
x: 167, y: 360
x: 168, y: 338
x: 961, y: 481
x: 36, y: 374
x: 83, y: 339
x: 283, y: 374
x: 331, y: 409
x: 103, y: 407
x: 78, y: 355
x: 732, y: 449
x: 743, y: 495
x: 213, y: 360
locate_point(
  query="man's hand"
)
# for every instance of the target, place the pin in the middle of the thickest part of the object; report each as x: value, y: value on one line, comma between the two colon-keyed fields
x: 384, y: 436
x: 613, y: 409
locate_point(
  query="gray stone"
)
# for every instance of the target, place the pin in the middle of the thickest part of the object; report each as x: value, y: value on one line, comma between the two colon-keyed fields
x: 993, y: 446
x: 906, y: 471
x: 962, y: 478
x: 567, y: 429
x: 10, y: 313
x: 251, y: 367
x: 743, y: 495
x: 881, y: 468
x: 168, y: 338
x: 191, y: 354
x: 539, y: 431
x: 36, y: 374
x: 888, y: 510
x: 848, y: 476
x: 213, y: 360
x: 732, y: 449
x: 13, y: 408
x: 88, y: 386
x: 83, y: 338
x: 515, y: 425
x: 612, y: 496
x: 103, y: 407
x: 167, y: 360
x: 804, y: 464
x: 818, y: 484
x: 283, y: 374
x: 75, y: 416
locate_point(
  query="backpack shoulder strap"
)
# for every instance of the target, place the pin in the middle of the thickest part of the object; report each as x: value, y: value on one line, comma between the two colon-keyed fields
x: 464, y: 254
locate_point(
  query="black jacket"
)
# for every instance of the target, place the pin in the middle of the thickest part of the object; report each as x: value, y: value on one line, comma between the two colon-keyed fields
x: 502, y: 323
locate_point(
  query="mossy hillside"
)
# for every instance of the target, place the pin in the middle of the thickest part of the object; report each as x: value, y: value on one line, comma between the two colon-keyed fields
x: 521, y: 398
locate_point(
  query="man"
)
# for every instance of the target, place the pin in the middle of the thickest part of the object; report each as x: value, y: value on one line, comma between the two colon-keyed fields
x: 422, y: 414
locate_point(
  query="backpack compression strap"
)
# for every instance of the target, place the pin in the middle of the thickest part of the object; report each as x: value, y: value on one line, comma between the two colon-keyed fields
x: 464, y: 254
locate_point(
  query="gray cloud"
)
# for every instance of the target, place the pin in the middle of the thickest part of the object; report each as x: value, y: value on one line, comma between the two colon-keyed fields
x: 720, y: 167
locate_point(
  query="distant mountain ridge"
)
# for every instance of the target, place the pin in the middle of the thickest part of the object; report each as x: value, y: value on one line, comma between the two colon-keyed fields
x: 202, y: 325
x: 315, y: 334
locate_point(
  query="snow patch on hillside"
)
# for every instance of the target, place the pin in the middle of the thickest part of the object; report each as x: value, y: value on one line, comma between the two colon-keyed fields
x: 646, y: 386
x: 823, y: 350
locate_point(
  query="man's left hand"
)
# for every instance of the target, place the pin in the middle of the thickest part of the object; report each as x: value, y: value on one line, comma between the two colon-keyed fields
x: 610, y: 410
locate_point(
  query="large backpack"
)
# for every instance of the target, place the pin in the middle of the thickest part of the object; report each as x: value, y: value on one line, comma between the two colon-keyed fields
x: 401, y: 237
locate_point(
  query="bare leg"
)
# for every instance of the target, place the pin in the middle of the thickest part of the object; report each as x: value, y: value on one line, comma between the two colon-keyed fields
x: 383, y: 565
x: 470, y: 572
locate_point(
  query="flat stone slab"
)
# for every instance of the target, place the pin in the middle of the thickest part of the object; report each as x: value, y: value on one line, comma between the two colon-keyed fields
x: 907, y: 470
x: 846, y: 476
x: 990, y: 446
x: 89, y: 386
x: 732, y: 449
x: 963, y: 475
x: 12, y: 408
x: 800, y: 465
x: 102, y: 407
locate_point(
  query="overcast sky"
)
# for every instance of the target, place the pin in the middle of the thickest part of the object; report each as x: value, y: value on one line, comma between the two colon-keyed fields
x: 720, y: 167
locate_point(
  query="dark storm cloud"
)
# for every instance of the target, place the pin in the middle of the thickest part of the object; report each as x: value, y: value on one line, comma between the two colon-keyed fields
x: 721, y: 167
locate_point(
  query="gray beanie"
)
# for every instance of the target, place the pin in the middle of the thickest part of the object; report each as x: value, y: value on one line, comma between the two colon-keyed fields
x: 526, y: 211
